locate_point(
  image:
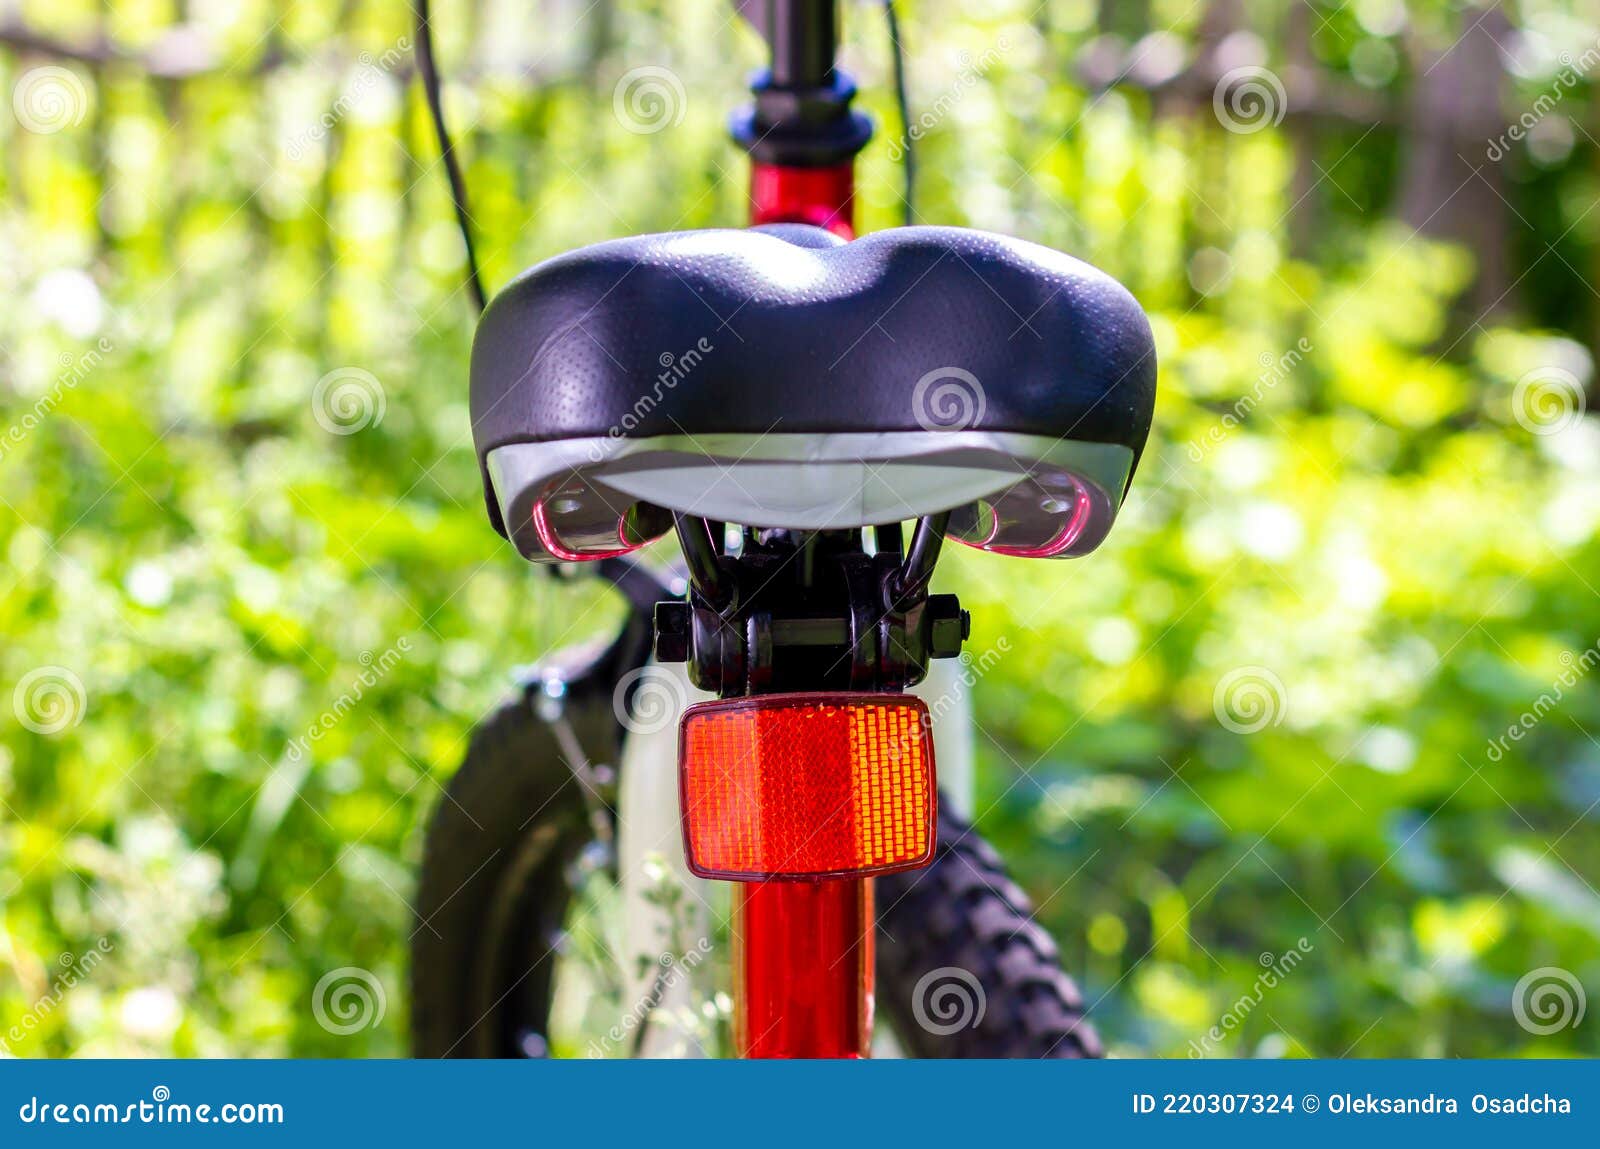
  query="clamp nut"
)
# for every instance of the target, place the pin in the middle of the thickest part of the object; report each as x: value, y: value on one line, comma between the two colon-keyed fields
x: 672, y: 631
x: 948, y: 626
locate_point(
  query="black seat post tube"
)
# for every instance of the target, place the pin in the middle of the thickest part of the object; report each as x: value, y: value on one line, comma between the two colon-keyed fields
x: 805, y: 38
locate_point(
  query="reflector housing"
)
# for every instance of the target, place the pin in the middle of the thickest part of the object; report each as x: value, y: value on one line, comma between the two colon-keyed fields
x: 806, y: 786
x: 576, y: 521
x: 1044, y: 515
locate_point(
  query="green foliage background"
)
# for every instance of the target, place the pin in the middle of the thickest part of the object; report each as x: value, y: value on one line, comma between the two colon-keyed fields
x: 1378, y: 531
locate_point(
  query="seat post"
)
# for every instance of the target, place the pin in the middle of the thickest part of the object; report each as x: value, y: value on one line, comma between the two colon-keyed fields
x: 804, y: 39
x: 800, y: 131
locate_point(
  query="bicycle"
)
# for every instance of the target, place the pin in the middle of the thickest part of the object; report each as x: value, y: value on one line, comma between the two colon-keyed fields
x: 820, y: 390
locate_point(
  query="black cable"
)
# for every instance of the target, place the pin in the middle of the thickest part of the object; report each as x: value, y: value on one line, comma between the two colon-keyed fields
x: 903, y: 105
x: 447, y: 150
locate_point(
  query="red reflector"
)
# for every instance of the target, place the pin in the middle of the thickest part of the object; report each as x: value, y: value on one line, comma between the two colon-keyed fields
x: 806, y: 786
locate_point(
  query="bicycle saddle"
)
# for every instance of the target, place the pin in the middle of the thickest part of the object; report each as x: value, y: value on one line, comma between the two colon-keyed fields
x: 783, y: 377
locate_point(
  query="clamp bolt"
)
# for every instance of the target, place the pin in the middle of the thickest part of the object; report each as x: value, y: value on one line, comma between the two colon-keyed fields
x: 672, y: 631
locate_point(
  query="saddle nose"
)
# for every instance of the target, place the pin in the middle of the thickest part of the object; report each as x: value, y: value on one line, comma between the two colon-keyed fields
x: 782, y: 377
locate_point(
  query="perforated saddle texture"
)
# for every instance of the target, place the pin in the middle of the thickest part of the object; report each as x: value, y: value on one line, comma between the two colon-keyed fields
x: 789, y: 329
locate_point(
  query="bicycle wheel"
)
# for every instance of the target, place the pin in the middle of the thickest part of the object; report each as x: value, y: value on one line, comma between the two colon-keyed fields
x: 496, y: 888
x: 494, y: 892
x: 964, y: 970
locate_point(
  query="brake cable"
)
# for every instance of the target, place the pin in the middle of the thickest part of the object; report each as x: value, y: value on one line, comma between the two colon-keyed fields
x: 429, y: 73
x: 903, y: 108
x: 427, y: 70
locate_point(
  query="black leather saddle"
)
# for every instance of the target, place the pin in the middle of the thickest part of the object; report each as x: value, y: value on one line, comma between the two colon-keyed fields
x: 782, y: 377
